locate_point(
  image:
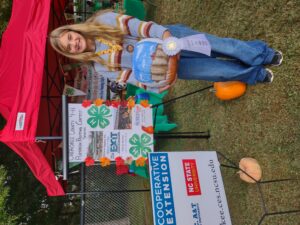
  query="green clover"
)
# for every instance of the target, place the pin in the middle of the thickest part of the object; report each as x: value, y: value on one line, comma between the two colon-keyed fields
x: 70, y: 91
x: 98, y: 116
x: 140, y: 145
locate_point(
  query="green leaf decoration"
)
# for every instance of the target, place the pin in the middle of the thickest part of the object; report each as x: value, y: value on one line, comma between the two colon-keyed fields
x: 98, y: 116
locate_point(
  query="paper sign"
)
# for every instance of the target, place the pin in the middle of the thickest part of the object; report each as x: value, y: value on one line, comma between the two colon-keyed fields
x: 106, y: 131
x: 196, y: 43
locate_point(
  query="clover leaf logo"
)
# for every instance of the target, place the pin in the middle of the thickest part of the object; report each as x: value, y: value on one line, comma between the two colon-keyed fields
x: 98, y: 116
x: 70, y: 91
x: 140, y: 145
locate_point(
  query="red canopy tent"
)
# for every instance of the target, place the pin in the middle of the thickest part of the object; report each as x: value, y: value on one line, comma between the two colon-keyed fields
x: 22, y: 55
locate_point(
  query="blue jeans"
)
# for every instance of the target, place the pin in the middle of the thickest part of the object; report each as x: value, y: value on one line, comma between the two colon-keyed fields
x: 231, y: 59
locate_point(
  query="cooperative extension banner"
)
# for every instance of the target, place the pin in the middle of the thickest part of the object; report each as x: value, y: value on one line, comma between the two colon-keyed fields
x: 187, y: 189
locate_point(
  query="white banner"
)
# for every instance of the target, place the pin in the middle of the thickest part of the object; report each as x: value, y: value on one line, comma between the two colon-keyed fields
x: 187, y: 189
x: 106, y: 131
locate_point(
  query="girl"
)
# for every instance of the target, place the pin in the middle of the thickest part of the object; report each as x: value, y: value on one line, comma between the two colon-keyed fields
x: 108, y: 40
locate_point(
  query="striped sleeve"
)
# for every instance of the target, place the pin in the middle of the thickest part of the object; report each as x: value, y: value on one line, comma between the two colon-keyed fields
x: 127, y: 76
x: 132, y: 26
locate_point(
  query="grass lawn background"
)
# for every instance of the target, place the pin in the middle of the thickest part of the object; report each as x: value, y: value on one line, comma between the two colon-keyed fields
x: 264, y: 123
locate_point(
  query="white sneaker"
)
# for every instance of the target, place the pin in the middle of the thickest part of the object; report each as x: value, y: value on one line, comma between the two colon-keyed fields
x: 269, y: 76
x: 277, y: 59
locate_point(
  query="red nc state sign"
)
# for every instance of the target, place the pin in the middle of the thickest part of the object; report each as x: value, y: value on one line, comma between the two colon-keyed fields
x: 191, y: 177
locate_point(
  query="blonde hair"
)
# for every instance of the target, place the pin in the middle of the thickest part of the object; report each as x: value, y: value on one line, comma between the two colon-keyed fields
x: 90, y: 30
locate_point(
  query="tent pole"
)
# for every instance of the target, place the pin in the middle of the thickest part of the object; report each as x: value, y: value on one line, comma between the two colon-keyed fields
x: 49, y: 138
x: 65, y: 137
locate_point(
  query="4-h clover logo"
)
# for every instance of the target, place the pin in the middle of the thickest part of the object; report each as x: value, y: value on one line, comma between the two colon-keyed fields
x: 140, y: 145
x: 98, y: 116
x: 70, y: 91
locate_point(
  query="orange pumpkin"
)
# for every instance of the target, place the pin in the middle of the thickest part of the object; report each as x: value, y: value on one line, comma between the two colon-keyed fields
x: 229, y: 90
x: 252, y: 168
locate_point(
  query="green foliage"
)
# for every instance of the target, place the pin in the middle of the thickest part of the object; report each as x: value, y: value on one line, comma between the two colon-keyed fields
x: 28, y: 199
x: 2, y: 122
x: 5, y: 11
x: 3, y: 25
x: 5, y: 217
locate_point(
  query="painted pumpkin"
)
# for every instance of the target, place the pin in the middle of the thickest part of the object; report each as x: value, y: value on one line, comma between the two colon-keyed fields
x: 251, y: 167
x: 151, y: 65
x: 229, y: 90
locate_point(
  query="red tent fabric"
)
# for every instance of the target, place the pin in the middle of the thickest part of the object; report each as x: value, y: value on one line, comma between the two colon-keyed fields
x: 22, y: 55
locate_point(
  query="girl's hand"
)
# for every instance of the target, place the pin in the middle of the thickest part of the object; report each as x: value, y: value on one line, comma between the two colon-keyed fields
x: 162, y: 89
x: 166, y: 34
x: 167, y: 86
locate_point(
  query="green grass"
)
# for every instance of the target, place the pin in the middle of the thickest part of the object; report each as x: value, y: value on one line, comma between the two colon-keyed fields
x: 264, y: 123
x: 5, y: 9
